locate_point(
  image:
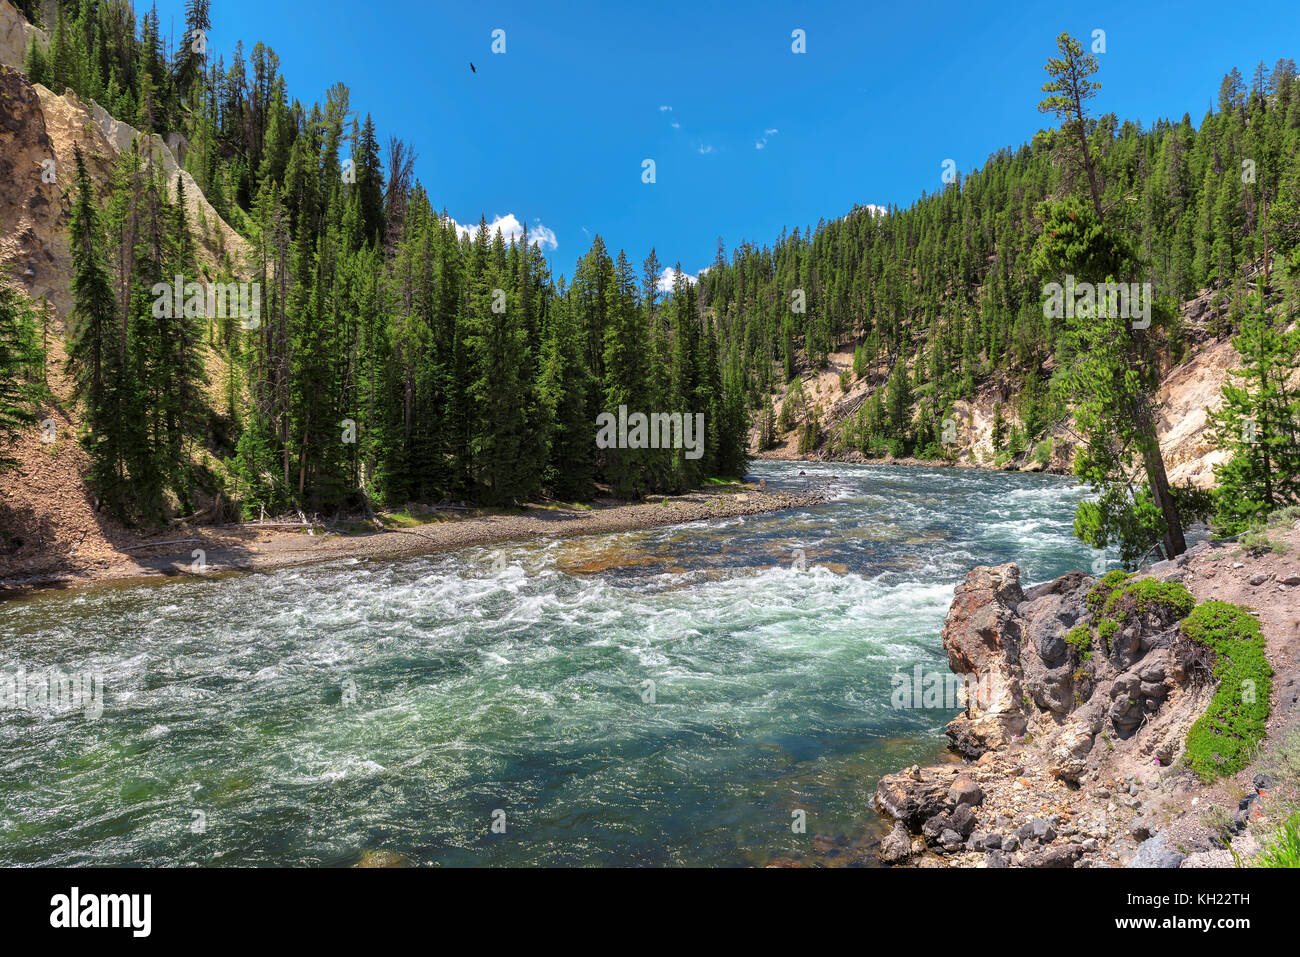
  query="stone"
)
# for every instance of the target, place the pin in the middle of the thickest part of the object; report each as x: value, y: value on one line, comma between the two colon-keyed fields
x: 897, y: 845
x: 936, y: 825
x: 1258, y: 580
x: 965, y: 790
x: 1155, y: 852
x: 963, y: 820
x: 1063, y: 855
x: 1036, y: 830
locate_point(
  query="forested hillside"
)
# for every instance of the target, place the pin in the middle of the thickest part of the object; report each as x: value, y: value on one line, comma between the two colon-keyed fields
x: 394, y: 356
x: 943, y: 292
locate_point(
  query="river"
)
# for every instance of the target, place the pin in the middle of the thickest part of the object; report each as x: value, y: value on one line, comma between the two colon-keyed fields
x: 709, y: 694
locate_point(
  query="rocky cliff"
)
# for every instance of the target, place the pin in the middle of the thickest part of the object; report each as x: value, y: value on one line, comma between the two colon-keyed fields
x: 1079, y: 697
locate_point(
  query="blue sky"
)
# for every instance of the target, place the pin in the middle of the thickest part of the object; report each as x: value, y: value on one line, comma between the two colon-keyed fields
x: 554, y: 131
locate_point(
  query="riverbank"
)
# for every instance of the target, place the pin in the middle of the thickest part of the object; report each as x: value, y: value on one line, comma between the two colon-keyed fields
x: 193, y: 550
x: 1074, y: 752
x: 1052, y: 467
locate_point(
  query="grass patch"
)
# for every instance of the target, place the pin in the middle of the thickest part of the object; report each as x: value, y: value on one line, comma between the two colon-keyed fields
x: 1221, y: 741
x: 1283, y: 848
x: 1258, y: 543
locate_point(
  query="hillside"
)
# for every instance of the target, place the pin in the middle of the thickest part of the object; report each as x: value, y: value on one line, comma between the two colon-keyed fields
x: 403, y: 358
x: 48, y: 519
x: 1188, y: 391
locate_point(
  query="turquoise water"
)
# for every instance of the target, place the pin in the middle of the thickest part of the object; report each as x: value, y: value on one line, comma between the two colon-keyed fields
x: 303, y: 716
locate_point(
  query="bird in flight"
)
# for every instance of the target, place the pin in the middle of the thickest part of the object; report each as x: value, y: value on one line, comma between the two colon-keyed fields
x: 471, y: 67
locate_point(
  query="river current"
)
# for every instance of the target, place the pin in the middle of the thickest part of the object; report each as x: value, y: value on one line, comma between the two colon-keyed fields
x: 707, y: 694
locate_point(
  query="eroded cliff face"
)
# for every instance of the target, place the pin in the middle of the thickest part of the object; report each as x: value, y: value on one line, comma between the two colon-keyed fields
x: 39, y: 131
x: 1078, y: 693
x: 48, y: 519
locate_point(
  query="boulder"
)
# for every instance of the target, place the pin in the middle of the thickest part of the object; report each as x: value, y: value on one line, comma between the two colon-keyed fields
x: 1155, y: 852
x: 963, y: 820
x: 914, y: 797
x: 965, y: 790
x: 897, y: 845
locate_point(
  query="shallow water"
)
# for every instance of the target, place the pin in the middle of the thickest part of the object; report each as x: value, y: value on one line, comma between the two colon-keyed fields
x: 300, y: 716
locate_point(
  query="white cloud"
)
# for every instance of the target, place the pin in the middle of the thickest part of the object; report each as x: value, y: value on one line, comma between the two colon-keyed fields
x: 665, y: 109
x: 512, y: 228
x: 767, y: 134
x: 669, y: 276
x: 875, y: 210
x: 676, y: 125
x: 705, y: 149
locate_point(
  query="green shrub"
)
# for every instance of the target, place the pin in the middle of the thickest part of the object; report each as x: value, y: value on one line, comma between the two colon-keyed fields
x: 1114, y: 597
x: 1221, y: 740
x: 1107, y: 586
x: 1080, y: 639
x: 1149, y: 594
x: 1106, y: 628
x: 1283, y: 848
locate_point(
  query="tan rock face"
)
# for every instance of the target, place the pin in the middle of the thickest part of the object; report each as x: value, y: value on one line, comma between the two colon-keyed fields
x: 1185, y: 398
x: 39, y: 132
x: 15, y: 36
x: 981, y: 636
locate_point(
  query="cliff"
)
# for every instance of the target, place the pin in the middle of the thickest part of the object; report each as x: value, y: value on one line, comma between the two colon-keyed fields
x: 1081, y: 695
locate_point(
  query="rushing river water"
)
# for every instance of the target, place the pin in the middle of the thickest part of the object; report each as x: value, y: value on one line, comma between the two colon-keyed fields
x: 674, y: 696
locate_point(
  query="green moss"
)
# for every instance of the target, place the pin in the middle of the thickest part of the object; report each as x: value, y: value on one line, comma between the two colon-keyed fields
x: 1109, y: 585
x: 1221, y: 740
x: 1106, y: 628
x: 1080, y: 639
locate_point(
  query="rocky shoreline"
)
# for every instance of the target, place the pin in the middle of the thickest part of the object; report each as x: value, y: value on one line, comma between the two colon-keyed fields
x: 256, y: 547
x: 1081, y: 694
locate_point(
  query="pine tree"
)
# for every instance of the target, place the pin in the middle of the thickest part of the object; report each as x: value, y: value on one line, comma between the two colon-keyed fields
x: 1259, y: 425
x: 97, y: 353
x: 22, y: 366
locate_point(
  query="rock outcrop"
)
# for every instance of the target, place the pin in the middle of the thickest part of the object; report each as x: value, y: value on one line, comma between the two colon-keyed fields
x: 39, y: 130
x: 1071, y: 685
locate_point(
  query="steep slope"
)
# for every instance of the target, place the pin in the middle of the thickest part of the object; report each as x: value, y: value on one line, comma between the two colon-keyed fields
x: 48, y: 518
x: 1188, y: 392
